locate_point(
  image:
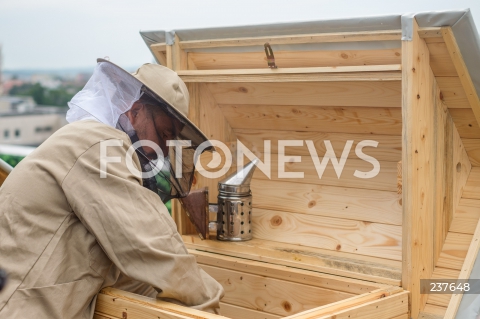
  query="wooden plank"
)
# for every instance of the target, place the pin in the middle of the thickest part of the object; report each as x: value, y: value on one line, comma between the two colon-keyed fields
x: 345, y: 304
x: 433, y: 312
x: 306, y: 170
x: 373, y: 269
x: 442, y: 273
x: 279, y: 71
x: 472, y: 187
x: 363, y: 120
x: 461, y: 170
x: 419, y: 168
x: 386, y: 180
x: 387, y: 307
x: 162, y: 47
x: 169, y: 57
x: 466, y: 216
x: 465, y: 272
x: 300, y: 276
x: 356, y: 237
x: 390, y: 35
x: 341, y: 73
x: 399, y: 178
x: 465, y: 123
x: 445, y: 273
x: 452, y: 92
x: 122, y: 304
x: 443, y: 181
x: 179, y: 56
x: 440, y: 60
x: 439, y: 299
x: 271, y: 295
x: 329, y: 201
x: 294, y: 59
x: 159, y: 52
x: 286, y: 77
x: 462, y: 71
x: 454, y: 250
x: 472, y: 146
x: 389, y: 146
x: 433, y: 32
x: 236, y: 312
x: 371, y: 94
x: 98, y: 315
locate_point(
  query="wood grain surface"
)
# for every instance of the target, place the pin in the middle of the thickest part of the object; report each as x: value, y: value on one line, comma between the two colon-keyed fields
x: 364, y: 238
x: 363, y: 120
x: 371, y: 94
x: 329, y: 201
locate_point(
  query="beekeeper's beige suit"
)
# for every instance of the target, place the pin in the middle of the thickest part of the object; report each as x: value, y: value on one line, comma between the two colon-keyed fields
x: 65, y: 232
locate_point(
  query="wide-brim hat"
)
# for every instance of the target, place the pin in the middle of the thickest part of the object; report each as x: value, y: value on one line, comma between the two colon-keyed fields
x: 168, y: 88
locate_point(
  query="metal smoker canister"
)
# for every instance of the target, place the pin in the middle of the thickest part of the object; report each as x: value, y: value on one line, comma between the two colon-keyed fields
x: 234, y: 216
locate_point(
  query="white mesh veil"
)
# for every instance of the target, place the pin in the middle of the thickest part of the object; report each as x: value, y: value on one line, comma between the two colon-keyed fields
x: 109, y: 93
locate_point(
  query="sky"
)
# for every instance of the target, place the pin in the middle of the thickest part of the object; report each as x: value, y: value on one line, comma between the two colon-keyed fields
x: 57, y: 34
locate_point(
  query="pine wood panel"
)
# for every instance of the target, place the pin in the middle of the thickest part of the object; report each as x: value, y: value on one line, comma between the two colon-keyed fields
x: 383, y: 35
x: 465, y: 123
x: 348, y: 203
x: 445, y: 273
x: 443, y: 210
x: 462, y: 70
x: 282, y: 272
x: 461, y: 168
x: 472, y: 146
x: 419, y: 167
x: 348, y: 304
x: 389, y: 147
x: 294, y: 59
x: 465, y: 273
x: 439, y: 299
x: 271, y: 295
x: 363, y: 120
x: 433, y: 310
x: 364, y: 238
x: 388, y: 307
x: 339, y: 263
x: 466, y: 216
x: 440, y: 60
x: 472, y: 187
x: 454, y: 250
x: 442, y: 273
x: 452, y: 92
x: 122, y: 304
x: 372, y: 94
x: 386, y: 180
x: 237, y: 312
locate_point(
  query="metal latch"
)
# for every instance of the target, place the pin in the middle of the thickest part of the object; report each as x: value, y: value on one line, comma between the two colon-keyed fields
x: 270, y: 57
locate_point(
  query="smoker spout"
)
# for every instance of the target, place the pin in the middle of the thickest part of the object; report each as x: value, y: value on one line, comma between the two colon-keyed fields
x: 239, y: 182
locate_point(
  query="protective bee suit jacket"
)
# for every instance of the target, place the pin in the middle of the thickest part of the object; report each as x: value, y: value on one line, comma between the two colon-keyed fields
x: 65, y: 233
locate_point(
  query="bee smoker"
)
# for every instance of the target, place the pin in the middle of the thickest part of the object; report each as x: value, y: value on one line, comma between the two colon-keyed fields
x: 234, y: 210
x: 233, y: 221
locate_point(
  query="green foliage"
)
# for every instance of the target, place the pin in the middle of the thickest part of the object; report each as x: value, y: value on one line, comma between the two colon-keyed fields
x: 11, y: 159
x: 44, y: 96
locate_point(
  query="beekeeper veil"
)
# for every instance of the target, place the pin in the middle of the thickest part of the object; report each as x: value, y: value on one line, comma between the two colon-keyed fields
x: 112, y: 91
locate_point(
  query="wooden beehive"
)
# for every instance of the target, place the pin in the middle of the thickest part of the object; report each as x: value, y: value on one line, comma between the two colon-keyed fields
x: 335, y: 247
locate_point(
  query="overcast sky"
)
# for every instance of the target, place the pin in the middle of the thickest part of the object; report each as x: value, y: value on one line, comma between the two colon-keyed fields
x: 54, y: 34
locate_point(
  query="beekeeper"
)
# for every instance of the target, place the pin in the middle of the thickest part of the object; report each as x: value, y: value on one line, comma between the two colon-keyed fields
x: 74, y: 218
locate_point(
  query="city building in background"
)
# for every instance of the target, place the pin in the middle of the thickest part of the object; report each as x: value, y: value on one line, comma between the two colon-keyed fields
x: 33, y: 103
